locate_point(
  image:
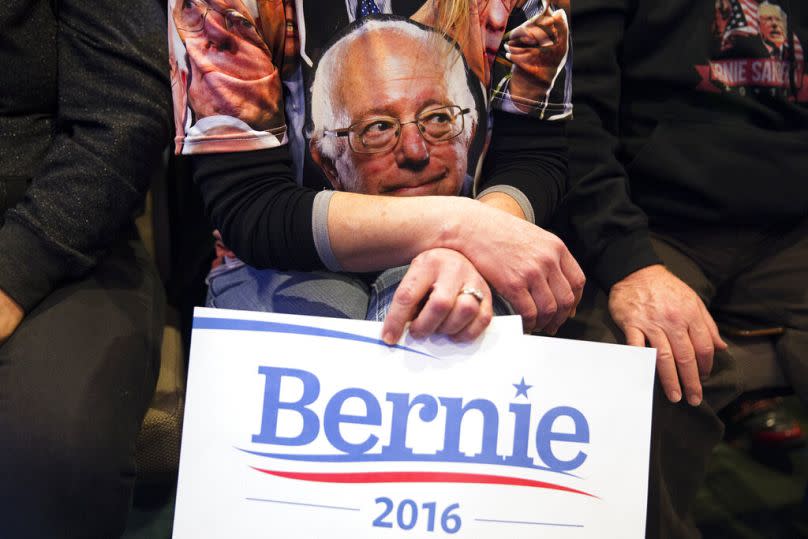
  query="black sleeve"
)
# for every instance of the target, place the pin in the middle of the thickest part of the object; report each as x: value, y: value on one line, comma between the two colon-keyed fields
x: 607, y: 232
x: 531, y: 156
x: 112, y: 124
x: 262, y: 214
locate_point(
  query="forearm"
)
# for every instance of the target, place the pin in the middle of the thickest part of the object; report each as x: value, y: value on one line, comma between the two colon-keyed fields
x: 269, y: 221
x: 369, y: 233
x: 110, y: 129
x: 607, y: 232
x: 262, y: 214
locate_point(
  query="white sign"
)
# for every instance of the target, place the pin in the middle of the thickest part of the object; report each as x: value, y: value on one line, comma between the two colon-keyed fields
x: 304, y: 427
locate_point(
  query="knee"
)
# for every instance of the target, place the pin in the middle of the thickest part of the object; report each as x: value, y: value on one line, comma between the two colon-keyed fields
x: 63, y: 476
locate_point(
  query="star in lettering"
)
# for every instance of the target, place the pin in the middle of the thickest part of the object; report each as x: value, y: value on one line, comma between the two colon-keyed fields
x: 521, y: 388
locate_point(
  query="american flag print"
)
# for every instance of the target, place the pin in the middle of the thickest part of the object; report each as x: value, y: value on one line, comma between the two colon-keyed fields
x: 743, y: 21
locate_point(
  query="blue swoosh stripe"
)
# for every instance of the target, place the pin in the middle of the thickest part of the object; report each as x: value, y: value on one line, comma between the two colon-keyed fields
x: 277, y: 327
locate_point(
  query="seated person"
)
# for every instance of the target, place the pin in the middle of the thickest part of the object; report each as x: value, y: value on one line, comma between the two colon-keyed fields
x: 398, y: 120
x: 83, y: 126
x: 688, y: 207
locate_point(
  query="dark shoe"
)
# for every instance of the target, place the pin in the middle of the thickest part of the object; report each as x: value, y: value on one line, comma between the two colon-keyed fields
x: 765, y: 423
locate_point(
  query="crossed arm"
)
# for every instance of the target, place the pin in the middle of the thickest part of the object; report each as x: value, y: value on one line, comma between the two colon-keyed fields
x: 528, y: 266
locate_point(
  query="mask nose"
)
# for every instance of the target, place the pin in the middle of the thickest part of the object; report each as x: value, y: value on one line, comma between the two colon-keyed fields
x: 412, y: 150
x: 218, y: 34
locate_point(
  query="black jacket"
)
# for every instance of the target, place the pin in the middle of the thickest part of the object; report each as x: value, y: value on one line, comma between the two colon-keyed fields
x: 84, y: 109
x: 660, y: 137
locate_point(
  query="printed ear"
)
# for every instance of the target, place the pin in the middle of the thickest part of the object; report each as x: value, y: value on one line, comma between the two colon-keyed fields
x: 326, y: 164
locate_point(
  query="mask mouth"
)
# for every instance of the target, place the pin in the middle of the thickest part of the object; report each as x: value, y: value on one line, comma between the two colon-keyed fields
x: 402, y: 188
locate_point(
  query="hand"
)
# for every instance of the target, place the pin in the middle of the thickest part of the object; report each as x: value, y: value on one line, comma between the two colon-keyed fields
x: 723, y: 14
x: 528, y: 266
x: 429, y: 296
x: 537, y: 47
x: 653, y: 305
x: 11, y: 315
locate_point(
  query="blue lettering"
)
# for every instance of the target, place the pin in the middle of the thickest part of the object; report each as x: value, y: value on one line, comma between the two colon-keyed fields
x: 545, y: 436
x: 272, y: 404
x: 455, y: 411
x: 397, y: 448
x: 334, y: 417
x: 521, y: 435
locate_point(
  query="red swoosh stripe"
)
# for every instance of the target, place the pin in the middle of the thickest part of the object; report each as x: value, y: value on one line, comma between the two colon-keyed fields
x: 419, y: 477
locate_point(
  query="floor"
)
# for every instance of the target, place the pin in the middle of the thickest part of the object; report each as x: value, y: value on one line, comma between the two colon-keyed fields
x: 744, y: 497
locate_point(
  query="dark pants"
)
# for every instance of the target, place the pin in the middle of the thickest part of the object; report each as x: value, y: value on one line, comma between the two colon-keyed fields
x: 76, y: 379
x: 747, y: 278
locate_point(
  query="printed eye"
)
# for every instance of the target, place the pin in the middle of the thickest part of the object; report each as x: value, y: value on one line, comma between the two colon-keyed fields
x: 377, y: 127
x: 237, y: 21
x: 438, y: 118
x: 244, y: 24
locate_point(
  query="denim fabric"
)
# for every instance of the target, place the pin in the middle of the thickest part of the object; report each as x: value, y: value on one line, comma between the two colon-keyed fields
x: 318, y: 293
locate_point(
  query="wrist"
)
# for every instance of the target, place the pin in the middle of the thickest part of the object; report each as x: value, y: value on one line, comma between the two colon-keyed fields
x: 496, y: 197
x: 454, y: 226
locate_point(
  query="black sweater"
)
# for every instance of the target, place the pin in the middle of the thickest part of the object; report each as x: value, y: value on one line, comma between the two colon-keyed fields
x: 84, y: 108
x: 680, y: 119
x: 266, y: 218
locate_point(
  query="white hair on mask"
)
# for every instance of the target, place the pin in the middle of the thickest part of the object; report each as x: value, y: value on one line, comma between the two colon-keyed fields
x: 767, y: 6
x: 326, y: 112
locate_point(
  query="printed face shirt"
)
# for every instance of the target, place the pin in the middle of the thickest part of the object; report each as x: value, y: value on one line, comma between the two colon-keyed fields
x: 367, y: 94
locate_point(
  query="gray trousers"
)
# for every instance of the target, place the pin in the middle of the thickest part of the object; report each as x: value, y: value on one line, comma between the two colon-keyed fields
x: 749, y: 278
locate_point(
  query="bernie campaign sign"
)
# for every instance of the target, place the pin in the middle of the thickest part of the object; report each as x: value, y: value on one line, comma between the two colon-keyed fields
x: 305, y: 427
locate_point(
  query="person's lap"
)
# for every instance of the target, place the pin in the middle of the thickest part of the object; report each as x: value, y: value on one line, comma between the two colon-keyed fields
x: 316, y: 293
x: 75, y: 381
x: 774, y: 292
x: 677, y: 460
x: 770, y: 291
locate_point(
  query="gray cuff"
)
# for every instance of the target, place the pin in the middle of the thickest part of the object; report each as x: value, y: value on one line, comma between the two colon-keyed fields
x: 517, y: 195
x: 319, y: 228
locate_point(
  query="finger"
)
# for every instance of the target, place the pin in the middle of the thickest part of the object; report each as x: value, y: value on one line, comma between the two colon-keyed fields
x: 437, y: 307
x: 634, y: 337
x: 524, y: 305
x: 685, y: 357
x: 718, y: 342
x: 465, y: 310
x: 525, y: 62
x: 560, y: 25
x: 475, y: 328
x: 565, y: 301
x: 406, y: 301
x: 534, y: 36
x: 527, y: 52
x: 666, y: 366
x: 575, y: 276
x: 545, y: 302
x: 703, y: 346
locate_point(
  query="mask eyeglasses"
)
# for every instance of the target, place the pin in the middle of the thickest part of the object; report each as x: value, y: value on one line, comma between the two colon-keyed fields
x: 191, y: 18
x: 381, y: 133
